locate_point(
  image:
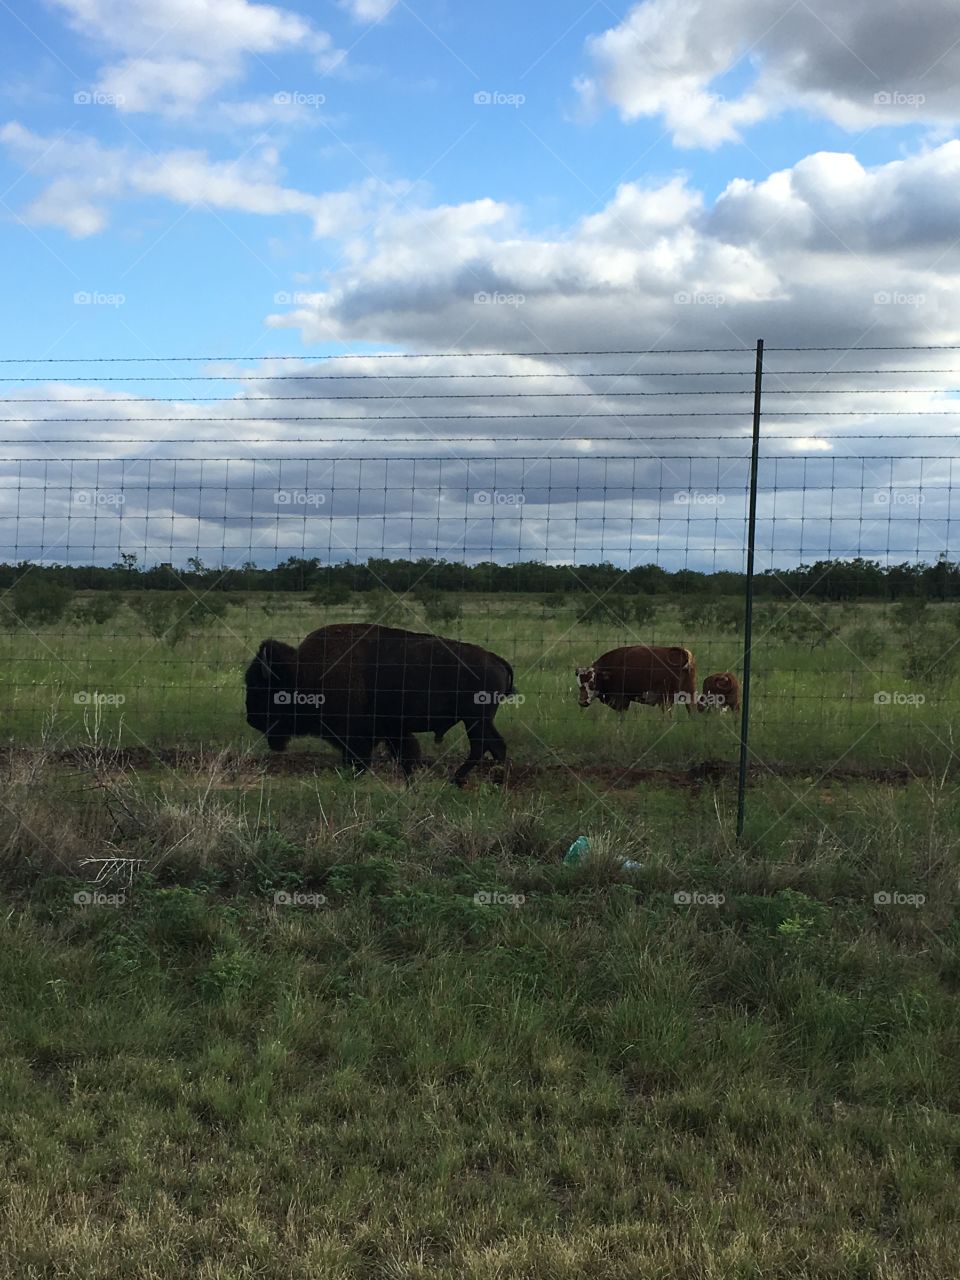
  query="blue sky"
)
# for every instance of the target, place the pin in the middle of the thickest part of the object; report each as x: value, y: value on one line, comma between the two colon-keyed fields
x: 383, y: 120
x: 245, y: 179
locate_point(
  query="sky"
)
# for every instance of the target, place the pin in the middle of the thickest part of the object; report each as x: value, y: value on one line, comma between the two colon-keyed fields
x: 244, y: 180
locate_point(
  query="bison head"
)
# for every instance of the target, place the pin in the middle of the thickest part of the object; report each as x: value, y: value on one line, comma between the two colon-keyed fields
x: 271, y: 681
x: 586, y: 685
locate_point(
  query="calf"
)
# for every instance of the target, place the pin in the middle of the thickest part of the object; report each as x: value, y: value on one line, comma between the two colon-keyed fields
x: 722, y: 691
x: 640, y: 673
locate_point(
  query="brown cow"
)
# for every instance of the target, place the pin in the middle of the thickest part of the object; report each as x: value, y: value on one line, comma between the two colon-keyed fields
x: 722, y: 691
x: 640, y: 673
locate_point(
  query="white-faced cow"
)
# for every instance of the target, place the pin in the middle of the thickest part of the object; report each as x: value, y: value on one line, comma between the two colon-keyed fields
x: 640, y: 673
x: 357, y: 684
x: 720, y: 692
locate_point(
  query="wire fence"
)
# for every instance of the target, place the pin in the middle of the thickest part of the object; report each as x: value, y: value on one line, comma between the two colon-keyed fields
x: 156, y: 526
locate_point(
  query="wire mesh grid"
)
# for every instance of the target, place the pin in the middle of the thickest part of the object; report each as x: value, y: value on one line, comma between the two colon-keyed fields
x: 156, y: 527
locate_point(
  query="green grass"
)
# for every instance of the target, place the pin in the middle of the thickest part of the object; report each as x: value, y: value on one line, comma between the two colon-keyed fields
x: 811, y: 706
x: 406, y: 1082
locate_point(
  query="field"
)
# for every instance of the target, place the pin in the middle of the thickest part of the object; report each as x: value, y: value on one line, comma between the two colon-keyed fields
x: 340, y: 1027
x: 816, y: 675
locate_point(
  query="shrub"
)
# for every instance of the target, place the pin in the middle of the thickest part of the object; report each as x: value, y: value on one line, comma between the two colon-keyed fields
x: 331, y: 594
x: 384, y: 607
x: 930, y: 653
x: 868, y: 642
x: 99, y: 608
x: 616, y: 610
x: 38, y: 603
x: 909, y: 613
x: 171, y: 618
x: 438, y: 606
x: 699, y: 613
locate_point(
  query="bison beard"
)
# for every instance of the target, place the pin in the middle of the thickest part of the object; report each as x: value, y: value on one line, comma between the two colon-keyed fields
x: 355, y: 685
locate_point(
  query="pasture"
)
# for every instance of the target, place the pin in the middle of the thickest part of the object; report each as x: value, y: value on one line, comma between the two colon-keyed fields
x: 339, y: 1027
x: 817, y: 674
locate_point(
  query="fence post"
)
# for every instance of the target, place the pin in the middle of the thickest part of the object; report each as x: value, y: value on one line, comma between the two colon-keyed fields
x: 748, y: 607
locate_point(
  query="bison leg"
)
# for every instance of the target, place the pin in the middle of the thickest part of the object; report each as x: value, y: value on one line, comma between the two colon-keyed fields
x: 406, y: 751
x: 358, y: 753
x: 483, y: 738
x: 277, y: 741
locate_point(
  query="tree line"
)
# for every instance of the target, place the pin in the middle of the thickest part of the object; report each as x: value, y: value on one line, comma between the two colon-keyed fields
x: 826, y: 580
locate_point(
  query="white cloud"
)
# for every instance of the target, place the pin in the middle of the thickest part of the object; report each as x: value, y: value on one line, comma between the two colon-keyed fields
x: 178, y: 54
x: 861, y: 63
x: 368, y: 10
x: 805, y: 257
x: 88, y: 178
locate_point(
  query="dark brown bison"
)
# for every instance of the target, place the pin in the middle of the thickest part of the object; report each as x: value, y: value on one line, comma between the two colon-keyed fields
x: 720, y: 691
x: 640, y: 673
x: 357, y: 684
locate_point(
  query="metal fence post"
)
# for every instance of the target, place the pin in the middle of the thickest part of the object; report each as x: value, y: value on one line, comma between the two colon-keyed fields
x: 748, y: 606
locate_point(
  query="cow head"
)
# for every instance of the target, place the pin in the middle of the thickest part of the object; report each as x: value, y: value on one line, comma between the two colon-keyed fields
x: 586, y: 685
x: 271, y: 682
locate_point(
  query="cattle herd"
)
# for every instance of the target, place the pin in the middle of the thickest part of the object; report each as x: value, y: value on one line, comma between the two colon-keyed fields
x: 358, y: 684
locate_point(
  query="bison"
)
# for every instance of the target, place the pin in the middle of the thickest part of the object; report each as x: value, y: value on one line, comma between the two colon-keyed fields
x: 357, y: 684
x: 721, y: 690
x: 640, y: 673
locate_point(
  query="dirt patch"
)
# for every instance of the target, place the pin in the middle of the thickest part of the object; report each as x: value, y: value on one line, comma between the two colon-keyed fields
x: 244, y: 767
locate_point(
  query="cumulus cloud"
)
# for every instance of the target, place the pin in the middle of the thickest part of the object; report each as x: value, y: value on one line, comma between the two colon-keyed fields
x: 866, y: 62
x: 805, y: 256
x: 87, y: 178
x: 176, y: 55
